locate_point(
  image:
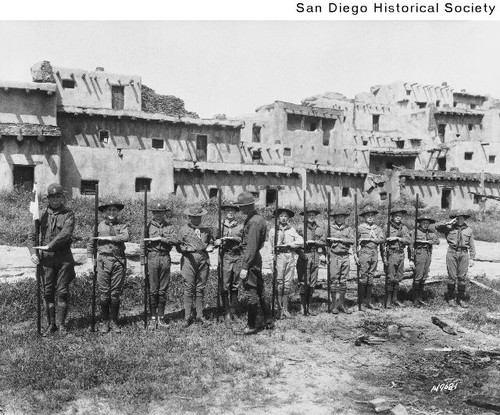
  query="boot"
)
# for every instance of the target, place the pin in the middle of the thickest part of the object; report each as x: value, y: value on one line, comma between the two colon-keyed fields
x: 104, y: 328
x: 113, y: 315
x: 266, y: 310
x: 335, y: 303
x: 309, y: 311
x: 421, y: 294
x: 416, y: 295
x: 233, y: 303
x: 303, y: 302
x: 395, y: 301
x: 188, y: 320
x: 362, y: 294
x: 451, y: 295
x: 161, y: 315
x: 228, y: 316
x: 388, y: 300
x: 286, y: 313
x: 51, y: 320
x: 341, y: 306
x: 199, y: 310
x: 461, y: 297
x: 368, y: 301
x: 62, y: 311
x: 251, y: 327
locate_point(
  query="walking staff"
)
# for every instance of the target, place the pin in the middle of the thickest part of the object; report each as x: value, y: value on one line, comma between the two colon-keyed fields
x: 356, y: 245
x: 384, y: 252
x: 328, y: 271
x: 306, y: 273
x: 275, y: 260
x: 413, y: 258
x: 145, y: 266
x: 219, y: 263
x: 94, y: 259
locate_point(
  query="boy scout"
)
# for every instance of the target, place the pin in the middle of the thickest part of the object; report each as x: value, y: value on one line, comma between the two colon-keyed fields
x: 460, y: 255
x: 288, y: 241
x: 421, y: 255
x: 308, y: 261
x: 111, y: 263
x: 195, y: 242
x: 230, y: 243
x: 156, y: 245
x: 252, y: 282
x: 341, y: 240
x: 52, y: 234
x: 369, y: 237
x: 394, y: 258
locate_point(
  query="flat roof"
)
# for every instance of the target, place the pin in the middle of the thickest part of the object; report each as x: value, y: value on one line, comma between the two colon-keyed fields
x: 32, y: 86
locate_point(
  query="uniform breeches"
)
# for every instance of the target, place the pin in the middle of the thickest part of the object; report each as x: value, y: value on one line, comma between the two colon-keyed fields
x: 395, y: 267
x: 367, y: 265
x: 457, y: 263
x: 194, y: 270
x: 110, y: 277
x: 285, y: 266
x: 57, y: 278
x: 339, y: 272
x: 422, y: 265
x: 231, y: 268
x: 159, y: 278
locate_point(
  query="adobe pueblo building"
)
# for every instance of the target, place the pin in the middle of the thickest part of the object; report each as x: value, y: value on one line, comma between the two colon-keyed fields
x: 79, y: 127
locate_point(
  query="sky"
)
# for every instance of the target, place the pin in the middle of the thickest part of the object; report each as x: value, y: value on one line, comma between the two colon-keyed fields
x: 232, y: 67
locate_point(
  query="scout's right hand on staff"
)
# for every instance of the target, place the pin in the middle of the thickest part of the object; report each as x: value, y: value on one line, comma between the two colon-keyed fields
x: 243, y: 276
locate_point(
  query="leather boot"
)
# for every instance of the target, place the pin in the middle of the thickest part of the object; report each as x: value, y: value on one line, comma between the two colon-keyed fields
x: 113, y: 315
x: 233, y: 303
x: 51, y: 320
x: 104, y: 328
x: 416, y: 294
x: 342, y: 307
x: 362, y: 294
x: 227, y: 309
x: 395, y: 301
x: 388, y: 300
x: 62, y: 311
x: 461, y: 297
x: 335, y: 303
x: 451, y: 295
x: 303, y: 302
x: 280, y: 306
x: 309, y: 311
x: 266, y: 310
x: 368, y: 300
x: 251, y: 327
x: 421, y: 295
x: 285, y: 312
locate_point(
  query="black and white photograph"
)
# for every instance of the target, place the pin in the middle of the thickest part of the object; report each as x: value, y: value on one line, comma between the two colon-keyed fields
x: 234, y: 216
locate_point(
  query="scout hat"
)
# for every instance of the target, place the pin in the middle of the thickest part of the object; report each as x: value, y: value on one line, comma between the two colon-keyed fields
x: 159, y: 207
x: 54, y: 189
x: 245, y: 199
x: 425, y: 217
x: 398, y: 208
x: 368, y: 209
x: 230, y: 205
x: 311, y: 211
x: 340, y: 211
x: 111, y: 202
x: 290, y: 213
x: 456, y: 213
x: 195, y: 210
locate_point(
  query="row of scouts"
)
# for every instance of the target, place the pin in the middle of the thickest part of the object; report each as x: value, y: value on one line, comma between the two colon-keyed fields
x: 50, y: 246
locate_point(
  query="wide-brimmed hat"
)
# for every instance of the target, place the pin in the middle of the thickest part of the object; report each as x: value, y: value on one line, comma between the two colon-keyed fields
x: 455, y: 213
x: 55, y: 189
x: 159, y: 207
x: 111, y: 202
x: 311, y: 212
x: 340, y: 211
x: 290, y: 212
x: 195, y: 210
x: 368, y: 209
x: 245, y: 199
x: 425, y: 217
x: 398, y: 208
x: 230, y: 205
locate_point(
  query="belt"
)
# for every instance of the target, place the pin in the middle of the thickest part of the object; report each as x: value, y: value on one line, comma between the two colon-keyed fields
x: 463, y: 249
x: 283, y: 250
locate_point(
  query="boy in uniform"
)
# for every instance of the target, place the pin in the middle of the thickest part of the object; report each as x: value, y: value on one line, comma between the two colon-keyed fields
x: 460, y: 255
x: 308, y: 261
x: 394, y: 256
x: 195, y: 242
x: 251, y: 280
x: 156, y: 245
x: 288, y: 242
x: 421, y: 255
x: 52, y: 234
x: 341, y: 240
x: 111, y: 263
x: 369, y: 237
x: 230, y: 243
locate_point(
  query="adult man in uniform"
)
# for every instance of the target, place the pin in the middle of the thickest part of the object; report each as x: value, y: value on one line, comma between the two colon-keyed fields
x: 252, y: 282
x: 460, y: 240
x: 54, y: 232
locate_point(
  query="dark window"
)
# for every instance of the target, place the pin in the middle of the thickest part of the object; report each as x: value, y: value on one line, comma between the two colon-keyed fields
x: 438, y: 102
x: 468, y: 155
x: 104, y: 136
x: 201, y: 147
x: 141, y: 183
x: 477, y: 199
x: 157, y: 143
x: 446, y: 199
x: 24, y: 177
x: 176, y: 185
x: 471, y: 127
x: 416, y: 142
x: 68, y: 83
x: 256, y: 134
x: 256, y: 155
x: 376, y: 121
x: 389, y: 165
x: 117, y: 97
x: 400, y: 144
x: 422, y: 104
x: 383, y: 195
x: 365, y: 141
x: 271, y: 195
x: 441, y: 131
x: 213, y: 192
x: 287, y: 152
x: 473, y: 106
x: 408, y: 92
x: 87, y: 187
x: 326, y: 138
x: 313, y: 126
x: 345, y: 192
x: 491, y: 159
x: 441, y: 163
x: 256, y: 195
x: 454, y: 104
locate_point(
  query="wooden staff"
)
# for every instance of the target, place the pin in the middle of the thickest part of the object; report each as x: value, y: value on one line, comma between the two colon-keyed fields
x: 94, y: 275
x: 328, y: 234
